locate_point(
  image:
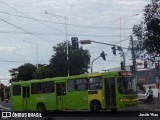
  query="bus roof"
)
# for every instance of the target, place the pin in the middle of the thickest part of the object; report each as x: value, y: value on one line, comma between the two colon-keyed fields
x: 33, y: 81
x: 49, y: 79
x: 113, y: 73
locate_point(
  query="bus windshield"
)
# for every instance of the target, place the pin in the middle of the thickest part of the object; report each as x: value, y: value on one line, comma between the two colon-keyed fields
x: 126, y: 85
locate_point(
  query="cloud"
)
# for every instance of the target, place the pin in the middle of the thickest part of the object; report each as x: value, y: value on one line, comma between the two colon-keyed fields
x: 81, y: 12
x: 6, y: 49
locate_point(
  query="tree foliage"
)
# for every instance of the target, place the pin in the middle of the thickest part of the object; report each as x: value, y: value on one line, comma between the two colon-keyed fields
x: 148, y: 31
x: 24, y: 72
x: 78, y: 64
x: 43, y: 71
x: 78, y: 60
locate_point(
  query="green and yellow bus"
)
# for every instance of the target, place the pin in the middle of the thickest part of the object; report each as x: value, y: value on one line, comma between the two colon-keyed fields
x: 95, y: 92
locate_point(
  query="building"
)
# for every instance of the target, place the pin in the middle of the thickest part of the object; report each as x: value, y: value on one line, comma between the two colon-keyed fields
x: 147, y: 76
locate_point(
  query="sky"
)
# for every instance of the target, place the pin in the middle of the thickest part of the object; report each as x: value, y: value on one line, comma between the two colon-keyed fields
x: 26, y: 29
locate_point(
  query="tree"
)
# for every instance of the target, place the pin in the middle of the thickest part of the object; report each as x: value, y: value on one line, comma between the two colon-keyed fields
x: 14, y: 74
x: 43, y: 71
x: 24, y: 72
x: 78, y: 64
x: 148, y: 31
x: 78, y: 60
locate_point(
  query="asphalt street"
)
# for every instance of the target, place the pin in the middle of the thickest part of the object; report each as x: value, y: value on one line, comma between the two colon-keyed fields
x: 122, y: 113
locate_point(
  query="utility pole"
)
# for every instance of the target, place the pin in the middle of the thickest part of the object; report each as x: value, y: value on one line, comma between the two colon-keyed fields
x: 133, y: 56
x: 134, y: 61
x: 158, y: 80
x: 66, y: 34
x: 67, y: 45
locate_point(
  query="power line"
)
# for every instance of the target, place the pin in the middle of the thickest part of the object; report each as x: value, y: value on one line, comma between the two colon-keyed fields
x: 27, y: 16
x: 43, y: 38
x: 110, y: 62
x: 4, y: 79
x: 88, y: 35
x: 75, y: 25
x: 115, y: 56
x: 11, y: 61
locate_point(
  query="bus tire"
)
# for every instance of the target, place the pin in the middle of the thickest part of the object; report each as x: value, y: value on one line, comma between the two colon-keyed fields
x: 95, y: 106
x: 41, y: 107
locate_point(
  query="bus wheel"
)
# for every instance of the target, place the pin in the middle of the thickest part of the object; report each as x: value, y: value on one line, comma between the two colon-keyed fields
x: 95, y: 106
x: 41, y: 107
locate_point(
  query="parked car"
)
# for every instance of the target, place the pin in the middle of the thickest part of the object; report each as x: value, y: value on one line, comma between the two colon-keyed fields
x: 142, y: 96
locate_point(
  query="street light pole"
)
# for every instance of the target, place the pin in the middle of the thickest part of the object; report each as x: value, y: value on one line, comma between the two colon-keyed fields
x: 37, y: 54
x: 92, y: 64
x: 67, y: 46
x: 36, y: 50
x: 119, y: 48
x: 120, y: 30
x: 65, y: 18
x: 90, y: 41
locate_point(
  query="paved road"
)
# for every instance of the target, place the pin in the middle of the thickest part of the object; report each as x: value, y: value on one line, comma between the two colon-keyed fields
x: 95, y: 116
x: 87, y: 118
x: 141, y: 106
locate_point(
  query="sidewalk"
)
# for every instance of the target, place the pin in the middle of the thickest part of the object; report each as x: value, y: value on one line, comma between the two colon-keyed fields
x: 150, y: 107
x: 157, y: 103
x: 4, y: 107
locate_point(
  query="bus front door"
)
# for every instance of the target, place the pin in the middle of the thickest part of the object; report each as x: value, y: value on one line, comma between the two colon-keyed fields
x: 26, y: 97
x: 110, y: 93
x: 61, y: 95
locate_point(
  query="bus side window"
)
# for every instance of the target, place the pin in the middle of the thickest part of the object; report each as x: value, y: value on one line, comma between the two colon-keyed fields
x: 16, y: 90
x: 48, y: 87
x: 36, y: 88
x: 95, y: 83
x: 81, y: 84
x: 71, y: 85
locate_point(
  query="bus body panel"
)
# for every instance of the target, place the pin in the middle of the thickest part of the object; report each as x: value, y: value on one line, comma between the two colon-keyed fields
x: 62, y: 98
x: 60, y: 95
x: 95, y: 95
x: 77, y: 100
x: 16, y: 103
x: 50, y: 104
x: 26, y: 97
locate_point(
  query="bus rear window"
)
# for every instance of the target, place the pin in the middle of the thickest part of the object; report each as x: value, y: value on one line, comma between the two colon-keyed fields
x: 16, y: 90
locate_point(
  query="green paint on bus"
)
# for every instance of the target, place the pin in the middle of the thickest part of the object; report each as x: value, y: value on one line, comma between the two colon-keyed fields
x: 95, y: 92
